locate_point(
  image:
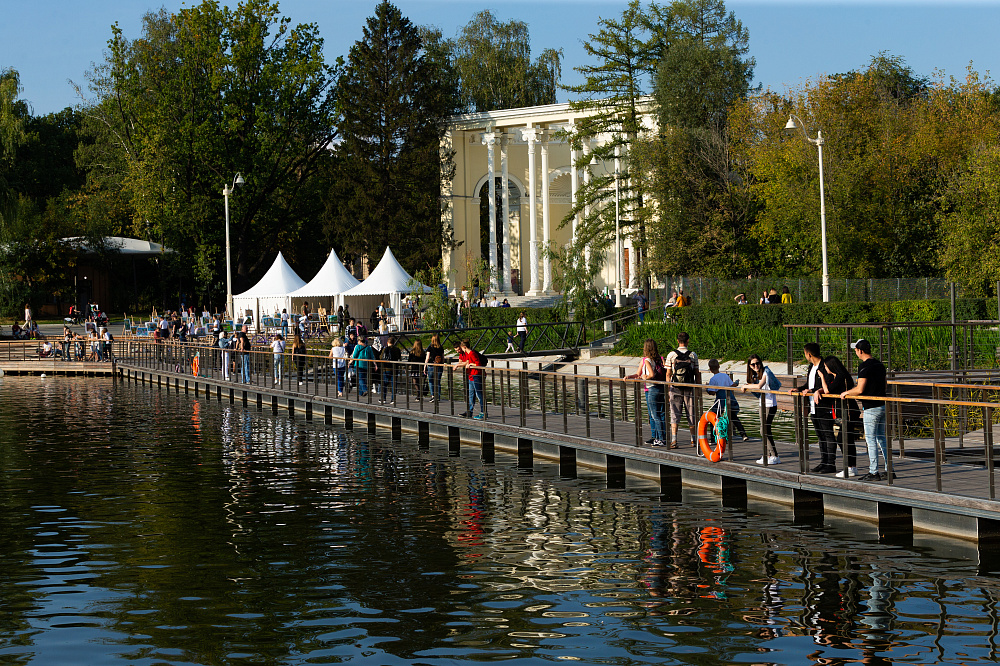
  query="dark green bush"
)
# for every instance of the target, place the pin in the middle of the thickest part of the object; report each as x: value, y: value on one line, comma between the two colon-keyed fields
x: 477, y: 317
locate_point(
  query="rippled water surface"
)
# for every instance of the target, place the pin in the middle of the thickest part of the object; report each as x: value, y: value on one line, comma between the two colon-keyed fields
x: 143, y: 527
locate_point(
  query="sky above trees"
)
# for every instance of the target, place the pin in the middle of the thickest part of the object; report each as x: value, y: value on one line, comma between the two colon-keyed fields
x: 789, y: 41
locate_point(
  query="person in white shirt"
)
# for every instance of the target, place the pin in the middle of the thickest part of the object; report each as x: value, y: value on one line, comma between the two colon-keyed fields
x: 759, y: 376
x: 278, y: 350
x: 723, y: 380
x: 339, y: 356
x: 522, y: 330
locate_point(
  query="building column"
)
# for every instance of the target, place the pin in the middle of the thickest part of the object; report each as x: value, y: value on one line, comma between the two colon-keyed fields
x: 574, y: 178
x: 546, y: 263
x: 586, y: 181
x: 633, y: 264
x: 531, y: 136
x: 505, y: 185
x: 489, y: 139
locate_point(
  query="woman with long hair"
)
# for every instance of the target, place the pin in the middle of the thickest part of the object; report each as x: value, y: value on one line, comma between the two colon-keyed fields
x: 836, y: 379
x: 434, y: 366
x: 299, y: 354
x: 416, y: 358
x: 759, y: 376
x: 651, y: 369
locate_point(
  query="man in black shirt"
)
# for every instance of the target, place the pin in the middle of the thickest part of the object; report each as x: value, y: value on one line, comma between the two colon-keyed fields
x: 820, y: 410
x: 871, y: 383
x: 392, y: 354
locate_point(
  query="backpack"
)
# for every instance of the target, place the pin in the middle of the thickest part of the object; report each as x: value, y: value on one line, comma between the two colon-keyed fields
x: 773, y: 383
x: 482, y: 359
x: 659, y: 371
x: 684, y: 370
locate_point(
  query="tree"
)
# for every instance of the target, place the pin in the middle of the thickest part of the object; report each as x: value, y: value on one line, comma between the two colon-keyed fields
x: 388, y: 166
x: 493, y: 62
x: 704, y: 210
x: 613, y: 98
x: 204, y: 94
x: 13, y: 113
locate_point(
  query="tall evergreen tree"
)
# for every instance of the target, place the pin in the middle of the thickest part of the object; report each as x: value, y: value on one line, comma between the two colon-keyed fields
x: 389, y: 166
x: 614, y: 95
x: 704, y: 210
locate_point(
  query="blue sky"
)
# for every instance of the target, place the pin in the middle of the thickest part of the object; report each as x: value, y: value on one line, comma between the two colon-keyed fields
x: 52, y: 42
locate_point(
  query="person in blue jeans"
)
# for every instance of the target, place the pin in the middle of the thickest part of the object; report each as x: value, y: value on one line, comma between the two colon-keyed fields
x: 473, y: 363
x: 364, y: 358
x: 871, y: 383
x: 652, y: 370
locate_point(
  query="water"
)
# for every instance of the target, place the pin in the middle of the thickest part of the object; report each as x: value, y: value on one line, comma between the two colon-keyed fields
x: 143, y: 527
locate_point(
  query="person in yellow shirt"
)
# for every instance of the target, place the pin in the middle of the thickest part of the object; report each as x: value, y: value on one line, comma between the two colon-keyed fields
x: 786, y: 296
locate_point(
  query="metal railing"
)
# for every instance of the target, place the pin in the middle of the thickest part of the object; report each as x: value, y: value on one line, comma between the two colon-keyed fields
x: 541, y: 338
x: 906, y: 346
x: 944, y: 441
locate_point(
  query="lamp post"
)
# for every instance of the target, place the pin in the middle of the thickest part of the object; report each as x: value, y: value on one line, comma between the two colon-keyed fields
x: 226, y: 191
x: 795, y: 123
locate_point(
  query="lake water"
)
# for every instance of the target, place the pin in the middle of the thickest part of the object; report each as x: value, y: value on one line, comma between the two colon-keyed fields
x: 143, y: 527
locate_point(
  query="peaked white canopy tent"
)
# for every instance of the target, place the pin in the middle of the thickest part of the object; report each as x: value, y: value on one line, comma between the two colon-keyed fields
x: 326, y: 289
x: 271, y: 293
x: 389, y: 282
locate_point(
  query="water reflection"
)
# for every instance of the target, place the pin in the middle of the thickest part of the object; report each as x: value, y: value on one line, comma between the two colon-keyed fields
x: 142, y: 526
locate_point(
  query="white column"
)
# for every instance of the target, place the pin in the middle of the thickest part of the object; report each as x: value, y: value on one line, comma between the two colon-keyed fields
x: 546, y: 265
x: 531, y: 136
x: 489, y: 139
x: 574, y: 178
x: 633, y: 262
x: 505, y: 189
x: 586, y: 181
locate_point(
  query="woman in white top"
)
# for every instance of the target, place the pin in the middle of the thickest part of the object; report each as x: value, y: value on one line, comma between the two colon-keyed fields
x: 760, y: 377
x: 522, y: 330
x: 339, y: 356
x: 278, y: 349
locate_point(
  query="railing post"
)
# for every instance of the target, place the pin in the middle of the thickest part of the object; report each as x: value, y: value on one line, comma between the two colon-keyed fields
x: 988, y: 447
x: 586, y: 404
x: 611, y: 405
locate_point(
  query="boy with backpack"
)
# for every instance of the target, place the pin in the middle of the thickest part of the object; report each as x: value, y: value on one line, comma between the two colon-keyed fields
x: 723, y: 380
x: 682, y: 367
x: 473, y: 362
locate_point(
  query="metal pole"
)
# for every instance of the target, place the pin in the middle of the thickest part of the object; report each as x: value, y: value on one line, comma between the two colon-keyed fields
x: 618, y: 239
x: 822, y: 219
x: 229, y: 269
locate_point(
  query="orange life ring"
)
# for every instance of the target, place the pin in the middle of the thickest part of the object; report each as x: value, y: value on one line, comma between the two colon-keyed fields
x: 195, y: 366
x: 704, y: 443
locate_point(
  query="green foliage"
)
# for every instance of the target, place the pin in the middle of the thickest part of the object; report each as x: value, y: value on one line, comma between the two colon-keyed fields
x: 388, y: 168
x: 203, y: 94
x: 493, y: 62
x: 733, y: 332
x: 437, y: 310
x: 479, y: 317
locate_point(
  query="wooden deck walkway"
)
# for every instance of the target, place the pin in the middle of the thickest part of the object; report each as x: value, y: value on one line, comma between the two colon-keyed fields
x: 912, y: 502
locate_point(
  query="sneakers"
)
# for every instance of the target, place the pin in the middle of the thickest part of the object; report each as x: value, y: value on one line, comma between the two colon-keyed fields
x: 773, y: 460
x: 745, y: 438
x: 480, y: 417
x: 657, y: 442
x: 851, y: 471
x: 823, y: 469
x: 650, y: 441
x: 871, y: 477
x: 760, y: 461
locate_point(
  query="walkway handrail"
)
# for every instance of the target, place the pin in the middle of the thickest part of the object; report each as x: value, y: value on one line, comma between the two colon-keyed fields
x: 608, y: 408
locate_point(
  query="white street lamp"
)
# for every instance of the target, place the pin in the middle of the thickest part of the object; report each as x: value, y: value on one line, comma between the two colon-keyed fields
x: 226, y: 191
x: 795, y: 123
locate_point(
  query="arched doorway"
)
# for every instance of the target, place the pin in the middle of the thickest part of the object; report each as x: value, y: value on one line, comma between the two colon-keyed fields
x: 514, y: 204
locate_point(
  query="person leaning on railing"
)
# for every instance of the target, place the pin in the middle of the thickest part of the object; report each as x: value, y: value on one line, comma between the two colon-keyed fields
x: 871, y: 383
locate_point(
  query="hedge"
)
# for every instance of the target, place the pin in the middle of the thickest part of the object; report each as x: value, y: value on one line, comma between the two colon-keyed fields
x: 734, y: 332
x: 480, y: 317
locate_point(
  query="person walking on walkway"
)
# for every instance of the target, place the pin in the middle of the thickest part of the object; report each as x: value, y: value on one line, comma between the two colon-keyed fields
x: 759, y: 376
x: 364, y: 359
x: 243, y: 353
x: 224, y: 344
x: 339, y: 360
x: 651, y: 369
x: 417, y: 359
x: 682, y: 367
x: 871, y: 382
x: 390, y: 370
x: 473, y: 363
x: 522, y: 330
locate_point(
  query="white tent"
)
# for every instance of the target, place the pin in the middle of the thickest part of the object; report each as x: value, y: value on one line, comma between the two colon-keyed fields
x: 326, y: 288
x: 271, y: 294
x: 388, y: 282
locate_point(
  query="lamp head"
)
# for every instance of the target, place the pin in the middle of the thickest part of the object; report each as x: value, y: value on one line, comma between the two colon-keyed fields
x: 594, y: 161
x: 791, y: 126
x: 239, y: 180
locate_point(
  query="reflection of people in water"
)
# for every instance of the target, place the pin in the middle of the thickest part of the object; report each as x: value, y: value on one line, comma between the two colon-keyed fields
x: 832, y: 605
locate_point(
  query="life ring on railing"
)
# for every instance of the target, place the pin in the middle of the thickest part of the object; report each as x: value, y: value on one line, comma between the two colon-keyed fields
x: 709, y: 419
x: 195, y: 365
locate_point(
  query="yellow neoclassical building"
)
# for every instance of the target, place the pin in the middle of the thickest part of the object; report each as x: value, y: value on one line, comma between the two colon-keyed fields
x: 509, y: 227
